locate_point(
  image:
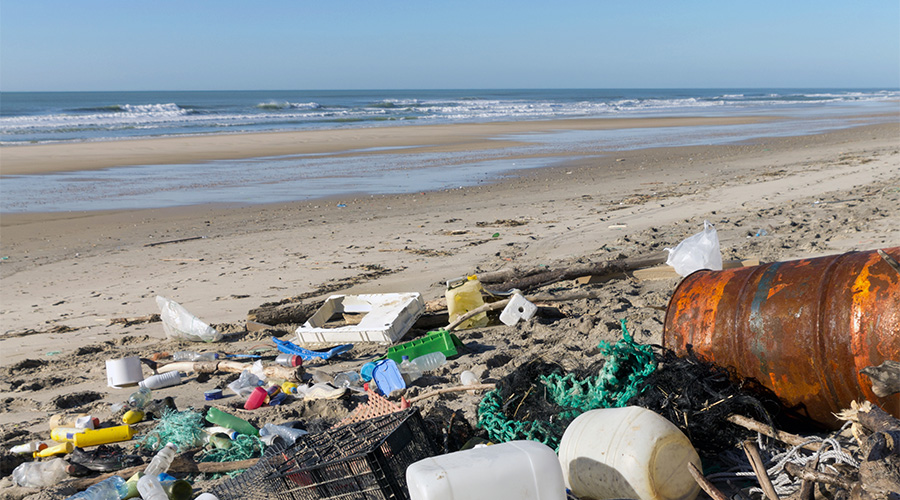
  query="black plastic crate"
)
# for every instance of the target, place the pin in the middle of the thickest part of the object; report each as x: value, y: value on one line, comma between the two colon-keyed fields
x: 365, y: 459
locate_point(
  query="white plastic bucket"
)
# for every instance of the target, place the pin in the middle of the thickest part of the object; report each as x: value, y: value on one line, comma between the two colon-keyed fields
x: 627, y: 452
x: 518, y: 470
x: 123, y: 372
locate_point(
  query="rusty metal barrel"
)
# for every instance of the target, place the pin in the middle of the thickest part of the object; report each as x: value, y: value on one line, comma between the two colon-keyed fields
x: 803, y: 328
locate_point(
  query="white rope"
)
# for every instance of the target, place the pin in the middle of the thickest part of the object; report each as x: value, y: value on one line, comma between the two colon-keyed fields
x: 830, y: 454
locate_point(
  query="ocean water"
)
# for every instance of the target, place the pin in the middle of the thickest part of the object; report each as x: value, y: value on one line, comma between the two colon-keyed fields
x: 39, y: 117
x: 35, y: 118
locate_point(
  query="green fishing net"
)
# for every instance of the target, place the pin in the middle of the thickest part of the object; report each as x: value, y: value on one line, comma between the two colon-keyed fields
x: 538, y: 400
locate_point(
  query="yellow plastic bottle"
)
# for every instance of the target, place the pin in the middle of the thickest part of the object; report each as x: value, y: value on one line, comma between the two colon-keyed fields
x: 133, y: 416
x: 462, y: 299
x: 60, y: 449
x: 103, y: 436
x: 61, y: 434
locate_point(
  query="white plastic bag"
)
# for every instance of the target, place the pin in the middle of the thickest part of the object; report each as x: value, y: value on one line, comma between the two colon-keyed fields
x: 180, y: 324
x: 700, y: 251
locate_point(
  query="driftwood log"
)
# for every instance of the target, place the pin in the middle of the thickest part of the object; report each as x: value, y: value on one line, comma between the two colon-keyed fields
x: 527, y: 279
x: 279, y: 314
x: 271, y: 371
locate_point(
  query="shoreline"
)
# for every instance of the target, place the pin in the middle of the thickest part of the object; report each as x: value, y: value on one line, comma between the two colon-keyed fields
x: 446, y: 138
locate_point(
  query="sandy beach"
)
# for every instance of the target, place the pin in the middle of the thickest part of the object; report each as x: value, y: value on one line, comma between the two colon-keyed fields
x: 66, y: 275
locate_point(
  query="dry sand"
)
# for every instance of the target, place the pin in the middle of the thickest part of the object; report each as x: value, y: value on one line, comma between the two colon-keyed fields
x: 65, y: 276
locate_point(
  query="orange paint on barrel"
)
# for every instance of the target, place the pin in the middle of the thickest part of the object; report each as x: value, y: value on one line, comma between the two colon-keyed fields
x: 802, y: 328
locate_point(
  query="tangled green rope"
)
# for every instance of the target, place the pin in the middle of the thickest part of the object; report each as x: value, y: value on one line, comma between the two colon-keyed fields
x: 621, y: 378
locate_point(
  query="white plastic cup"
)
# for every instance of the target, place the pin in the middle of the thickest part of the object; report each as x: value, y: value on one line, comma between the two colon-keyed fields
x: 162, y: 380
x: 123, y: 372
x: 517, y: 470
x: 628, y: 452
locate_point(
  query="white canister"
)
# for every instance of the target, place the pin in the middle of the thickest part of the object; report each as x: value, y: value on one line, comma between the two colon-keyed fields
x: 517, y: 470
x: 628, y: 452
x: 123, y: 372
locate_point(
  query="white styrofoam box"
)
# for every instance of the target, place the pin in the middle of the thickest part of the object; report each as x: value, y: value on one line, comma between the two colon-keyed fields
x: 519, y: 308
x: 517, y: 470
x: 388, y: 316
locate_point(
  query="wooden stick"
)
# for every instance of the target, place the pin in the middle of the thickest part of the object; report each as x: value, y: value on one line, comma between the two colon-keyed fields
x: 890, y: 260
x: 704, y: 483
x: 807, y: 486
x: 476, y: 387
x: 759, y: 469
x: 150, y: 318
x: 528, y: 279
x: 817, y: 476
x: 181, y: 464
x: 174, y: 241
x: 540, y: 297
x: 785, y: 437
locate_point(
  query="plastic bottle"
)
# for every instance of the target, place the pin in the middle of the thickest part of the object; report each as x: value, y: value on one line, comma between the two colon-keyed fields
x: 346, y: 379
x: 61, y: 434
x: 112, y: 488
x: 103, y: 436
x: 289, y: 387
x: 133, y: 417
x: 40, y: 474
x: 287, y: 433
x: 68, y: 420
x: 464, y: 298
x: 217, y: 416
x: 28, y: 448
x: 289, y: 360
x: 409, y: 370
x: 430, y: 361
x: 256, y: 399
x: 161, y: 380
x: 139, y: 398
x: 195, y: 356
x: 59, y: 449
x: 161, y: 461
x: 150, y: 488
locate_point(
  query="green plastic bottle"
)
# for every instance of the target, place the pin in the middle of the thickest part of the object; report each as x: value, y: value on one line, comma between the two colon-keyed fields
x: 219, y: 417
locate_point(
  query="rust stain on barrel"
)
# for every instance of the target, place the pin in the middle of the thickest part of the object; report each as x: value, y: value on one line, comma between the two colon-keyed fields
x: 802, y: 328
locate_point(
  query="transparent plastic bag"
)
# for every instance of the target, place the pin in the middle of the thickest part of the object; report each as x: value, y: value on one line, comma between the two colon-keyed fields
x: 700, y: 251
x: 182, y: 325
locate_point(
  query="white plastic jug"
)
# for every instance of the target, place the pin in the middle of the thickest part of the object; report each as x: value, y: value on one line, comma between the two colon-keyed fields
x: 627, y: 452
x: 517, y: 470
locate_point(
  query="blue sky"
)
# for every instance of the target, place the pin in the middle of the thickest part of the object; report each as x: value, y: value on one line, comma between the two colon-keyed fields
x: 350, y: 44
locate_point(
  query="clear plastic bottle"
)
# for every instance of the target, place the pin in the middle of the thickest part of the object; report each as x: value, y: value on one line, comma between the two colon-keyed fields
x: 112, y: 488
x: 289, y: 434
x: 430, y: 361
x: 195, y: 356
x: 346, y: 379
x: 150, y: 488
x: 40, y: 474
x: 409, y: 370
x: 139, y: 398
x: 161, y: 461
